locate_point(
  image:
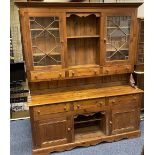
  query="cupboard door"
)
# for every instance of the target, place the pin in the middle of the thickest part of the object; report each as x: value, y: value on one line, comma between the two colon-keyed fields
x: 43, y: 41
x: 53, y: 131
x: 46, y: 40
x: 125, y: 119
x: 119, y: 38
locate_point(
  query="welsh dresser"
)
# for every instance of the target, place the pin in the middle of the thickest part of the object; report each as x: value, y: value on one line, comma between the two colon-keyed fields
x: 79, y: 57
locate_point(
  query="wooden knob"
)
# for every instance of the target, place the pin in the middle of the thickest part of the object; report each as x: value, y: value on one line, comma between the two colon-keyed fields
x: 38, y: 111
x: 107, y: 71
x: 60, y: 74
x: 78, y: 106
x: 73, y: 73
x: 101, y: 103
x: 105, y: 39
x: 113, y: 101
x: 69, y: 129
x: 95, y: 72
x: 36, y: 77
x: 127, y: 68
x: 110, y: 122
x: 65, y: 108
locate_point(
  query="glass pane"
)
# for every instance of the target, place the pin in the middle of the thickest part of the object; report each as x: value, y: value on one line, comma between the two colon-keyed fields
x: 118, y: 35
x: 45, y: 41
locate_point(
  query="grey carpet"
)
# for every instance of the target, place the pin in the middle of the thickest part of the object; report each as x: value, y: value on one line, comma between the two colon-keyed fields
x: 20, y: 143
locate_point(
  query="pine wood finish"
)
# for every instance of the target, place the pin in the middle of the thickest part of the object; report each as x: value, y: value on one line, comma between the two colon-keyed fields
x: 139, y: 67
x: 79, y: 58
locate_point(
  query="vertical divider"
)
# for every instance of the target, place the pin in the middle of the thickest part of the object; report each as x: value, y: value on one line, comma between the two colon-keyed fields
x: 102, y: 43
x: 64, y: 36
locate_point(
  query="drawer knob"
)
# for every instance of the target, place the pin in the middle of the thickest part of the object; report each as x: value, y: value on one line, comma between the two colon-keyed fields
x: 107, y: 71
x: 95, y: 72
x: 100, y: 104
x: 69, y: 129
x: 110, y: 122
x: 38, y: 111
x: 78, y: 106
x: 36, y: 77
x: 113, y: 101
x: 127, y: 68
x: 65, y: 108
x: 73, y: 73
x: 60, y: 75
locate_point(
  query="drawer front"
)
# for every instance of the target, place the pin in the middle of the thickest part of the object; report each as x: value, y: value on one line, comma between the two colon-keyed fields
x: 46, y: 75
x: 84, y: 72
x: 87, y: 105
x: 125, y: 99
x: 117, y: 70
x: 41, y: 111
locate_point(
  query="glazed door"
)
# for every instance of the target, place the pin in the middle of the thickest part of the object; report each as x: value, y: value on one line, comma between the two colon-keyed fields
x: 43, y: 44
x: 119, y: 39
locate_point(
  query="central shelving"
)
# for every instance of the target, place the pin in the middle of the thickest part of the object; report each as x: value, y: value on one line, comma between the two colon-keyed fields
x: 83, y: 38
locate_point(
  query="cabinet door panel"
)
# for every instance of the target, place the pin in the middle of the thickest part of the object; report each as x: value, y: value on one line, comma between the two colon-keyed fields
x: 119, y: 38
x: 53, y: 131
x: 45, y: 40
x: 125, y: 119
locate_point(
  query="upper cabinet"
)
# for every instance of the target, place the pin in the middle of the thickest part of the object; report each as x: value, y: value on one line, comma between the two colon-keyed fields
x: 61, y: 41
x: 43, y: 45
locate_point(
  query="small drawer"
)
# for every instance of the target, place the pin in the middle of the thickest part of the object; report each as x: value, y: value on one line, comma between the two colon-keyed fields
x: 46, y: 75
x: 124, y: 99
x: 84, y: 72
x: 89, y: 104
x: 117, y: 70
x: 50, y: 109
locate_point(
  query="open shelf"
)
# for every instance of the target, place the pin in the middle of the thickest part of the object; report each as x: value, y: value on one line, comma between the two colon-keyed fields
x: 83, y: 51
x: 86, y: 126
x: 83, y: 25
x: 88, y: 133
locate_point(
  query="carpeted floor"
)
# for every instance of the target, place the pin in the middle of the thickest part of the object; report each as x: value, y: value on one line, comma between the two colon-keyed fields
x: 21, y: 143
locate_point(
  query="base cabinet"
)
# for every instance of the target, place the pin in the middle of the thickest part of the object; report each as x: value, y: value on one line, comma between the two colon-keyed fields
x: 86, y: 122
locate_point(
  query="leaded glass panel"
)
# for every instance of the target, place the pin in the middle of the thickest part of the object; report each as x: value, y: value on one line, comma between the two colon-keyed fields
x: 45, y: 39
x: 118, y: 35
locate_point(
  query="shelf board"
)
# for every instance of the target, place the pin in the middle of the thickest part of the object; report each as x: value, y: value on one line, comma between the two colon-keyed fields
x: 51, y: 29
x: 86, y: 121
x: 92, y: 36
x: 123, y: 49
x: 113, y: 27
x: 42, y: 54
x: 88, y: 133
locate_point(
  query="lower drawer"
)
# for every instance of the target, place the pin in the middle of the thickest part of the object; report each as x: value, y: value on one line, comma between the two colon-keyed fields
x: 124, y: 99
x: 89, y: 105
x: 41, y: 111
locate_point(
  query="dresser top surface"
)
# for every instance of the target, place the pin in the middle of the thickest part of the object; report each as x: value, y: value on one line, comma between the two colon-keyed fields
x: 53, y: 98
x: 20, y: 3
